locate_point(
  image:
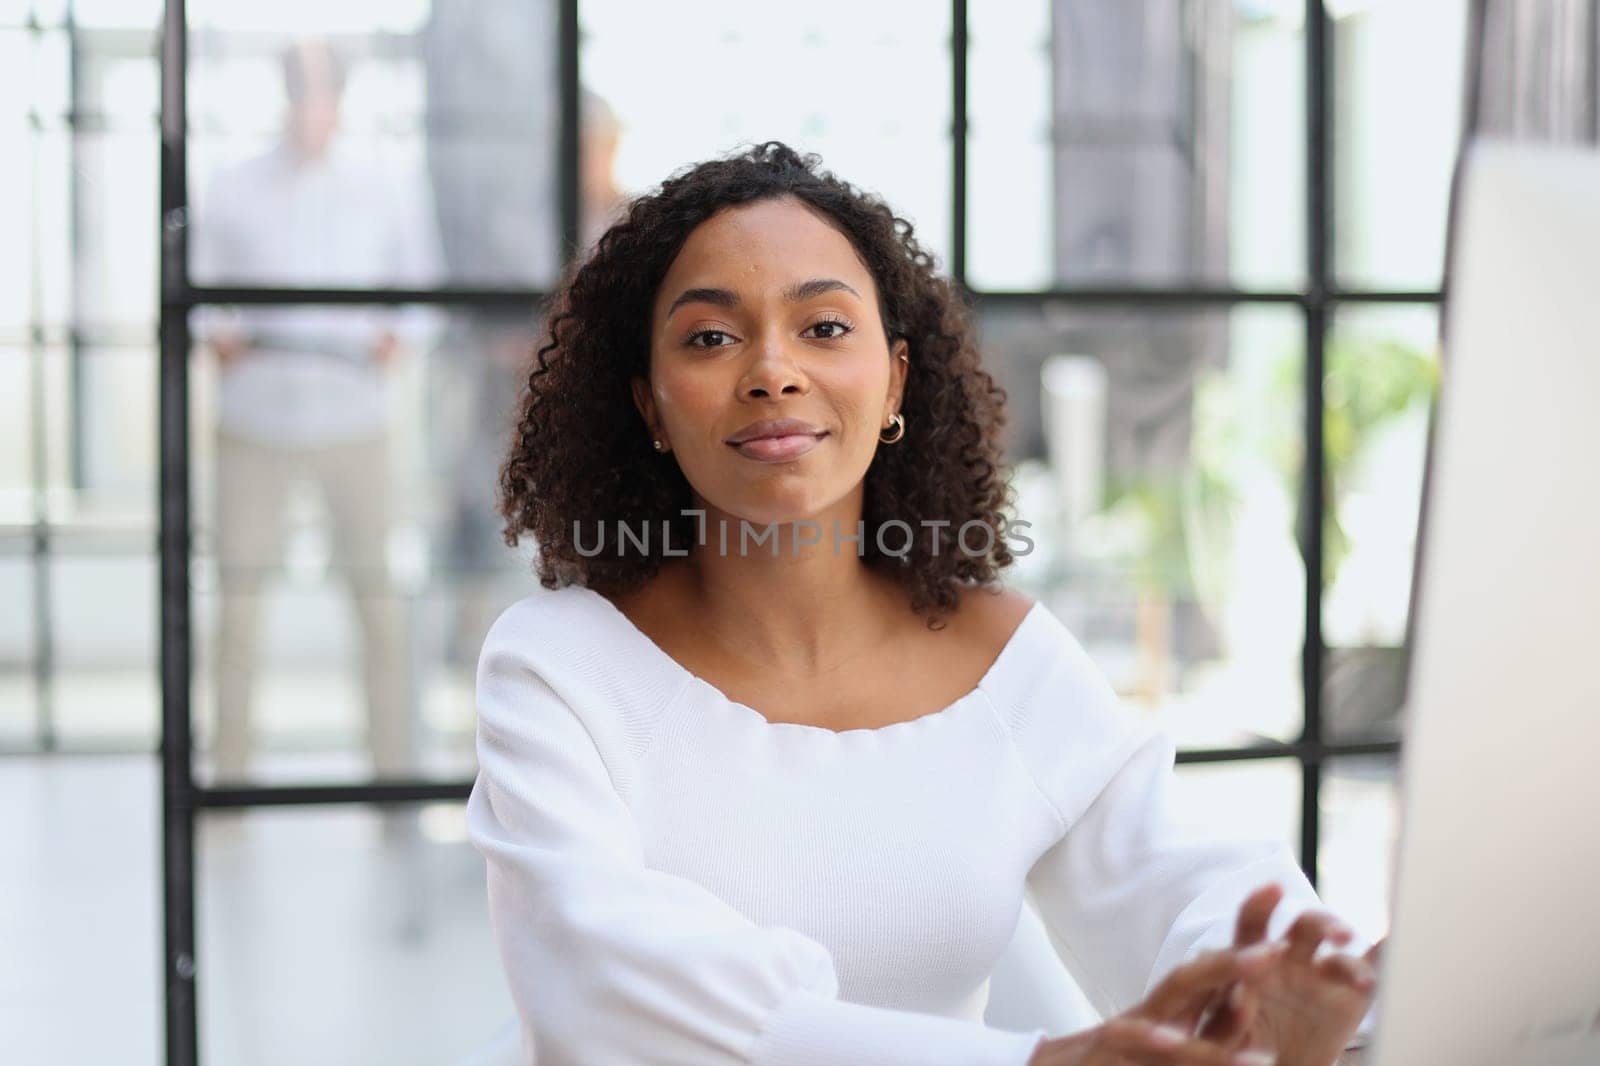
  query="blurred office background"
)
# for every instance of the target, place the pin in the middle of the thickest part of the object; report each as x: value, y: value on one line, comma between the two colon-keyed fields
x: 1200, y: 234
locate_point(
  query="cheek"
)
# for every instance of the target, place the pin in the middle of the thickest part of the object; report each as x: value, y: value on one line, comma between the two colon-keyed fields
x: 858, y: 393
x: 686, y: 401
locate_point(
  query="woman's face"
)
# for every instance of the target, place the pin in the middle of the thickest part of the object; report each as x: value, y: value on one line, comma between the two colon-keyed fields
x: 767, y: 313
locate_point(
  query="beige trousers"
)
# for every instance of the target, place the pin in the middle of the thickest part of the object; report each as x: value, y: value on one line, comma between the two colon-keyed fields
x: 253, y: 483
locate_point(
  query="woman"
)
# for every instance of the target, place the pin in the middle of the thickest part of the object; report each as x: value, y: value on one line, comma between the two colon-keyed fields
x: 766, y: 774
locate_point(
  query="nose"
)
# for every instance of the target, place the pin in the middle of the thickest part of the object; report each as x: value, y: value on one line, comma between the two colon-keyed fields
x: 771, y: 372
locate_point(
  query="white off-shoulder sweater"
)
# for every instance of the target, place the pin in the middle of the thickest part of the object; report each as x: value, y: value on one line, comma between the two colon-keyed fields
x: 673, y: 879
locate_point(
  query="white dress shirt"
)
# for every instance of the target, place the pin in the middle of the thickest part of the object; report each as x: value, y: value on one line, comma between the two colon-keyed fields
x: 307, y: 376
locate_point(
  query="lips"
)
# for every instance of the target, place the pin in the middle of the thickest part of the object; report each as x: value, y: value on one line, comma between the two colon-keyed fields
x: 776, y: 440
x: 779, y: 449
x: 775, y: 427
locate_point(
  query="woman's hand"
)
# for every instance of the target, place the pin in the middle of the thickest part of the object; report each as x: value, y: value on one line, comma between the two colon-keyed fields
x: 1159, y: 1031
x: 1309, y: 1007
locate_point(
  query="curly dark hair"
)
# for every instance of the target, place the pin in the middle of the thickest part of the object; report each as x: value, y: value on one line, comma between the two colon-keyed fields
x: 580, y: 454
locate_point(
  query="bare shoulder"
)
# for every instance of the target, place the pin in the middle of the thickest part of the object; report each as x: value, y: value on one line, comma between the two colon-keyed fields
x: 660, y: 598
x: 989, y: 615
x: 657, y: 609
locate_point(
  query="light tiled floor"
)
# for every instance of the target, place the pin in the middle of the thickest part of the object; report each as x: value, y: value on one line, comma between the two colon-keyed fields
x: 323, y: 936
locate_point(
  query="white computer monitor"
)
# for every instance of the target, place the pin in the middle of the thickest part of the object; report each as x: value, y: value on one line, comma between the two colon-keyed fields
x: 1494, y: 952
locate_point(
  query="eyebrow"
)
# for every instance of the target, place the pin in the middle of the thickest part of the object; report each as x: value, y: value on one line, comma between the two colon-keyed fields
x: 804, y: 290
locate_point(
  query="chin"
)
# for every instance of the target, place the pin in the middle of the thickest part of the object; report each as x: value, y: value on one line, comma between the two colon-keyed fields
x: 771, y: 515
x: 775, y: 508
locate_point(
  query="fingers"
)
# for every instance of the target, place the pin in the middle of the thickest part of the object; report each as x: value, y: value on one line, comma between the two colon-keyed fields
x: 1255, y: 913
x: 1310, y: 930
x: 1186, y: 990
x: 1347, y: 969
x: 1236, y: 1012
x: 1374, y: 955
x: 1129, y: 1040
x: 1198, y: 1012
x: 1219, y: 1017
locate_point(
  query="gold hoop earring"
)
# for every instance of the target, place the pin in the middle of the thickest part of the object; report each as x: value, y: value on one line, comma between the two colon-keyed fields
x: 899, y: 425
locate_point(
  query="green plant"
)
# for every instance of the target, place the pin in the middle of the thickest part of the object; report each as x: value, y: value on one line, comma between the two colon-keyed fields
x: 1368, y: 380
x: 1201, y: 531
x: 1153, y: 503
x: 1184, y: 518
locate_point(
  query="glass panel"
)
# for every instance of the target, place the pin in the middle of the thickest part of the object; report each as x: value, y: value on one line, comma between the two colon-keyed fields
x: 120, y: 14
x: 1158, y: 458
x: 116, y: 170
x: 55, y: 369
x: 348, y: 560
x: 17, y: 455
x: 1360, y: 804
x: 39, y: 81
x: 368, y: 932
x: 420, y: 147
x: 118, y: 73
x: 18, y: 648
x: 18, y: 146
x: 43, y: 12
x: 16, y: 218
x: 52, y: 203
x: 34, y: 225
x: 1255, y: 800
x: 471, y: 385
x: 492, y: 111
x: 82, y: 200
x: 1149, y: 143
x: 1382, y: 377
x: 292, y: 669
x: 1397, y: 125
x: 16, y: 58
x: 103, y: 632
x: 691, y: 81
x: 115, y: 426
x: 99, y: 438
x: 117, y: 205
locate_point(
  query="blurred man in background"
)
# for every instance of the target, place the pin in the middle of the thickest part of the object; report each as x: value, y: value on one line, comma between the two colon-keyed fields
x: 304, y: 393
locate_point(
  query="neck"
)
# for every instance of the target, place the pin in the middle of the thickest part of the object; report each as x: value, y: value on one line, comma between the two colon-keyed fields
x: 785, y: 606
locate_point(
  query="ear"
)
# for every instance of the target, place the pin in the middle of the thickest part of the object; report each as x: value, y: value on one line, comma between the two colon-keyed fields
x: 645, y: 403
x: 899, y: 365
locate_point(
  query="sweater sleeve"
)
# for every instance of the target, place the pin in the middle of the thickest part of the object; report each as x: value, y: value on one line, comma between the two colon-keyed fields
x: 1130, y: 890
x: 612, y: 962
x: 1127, y: 894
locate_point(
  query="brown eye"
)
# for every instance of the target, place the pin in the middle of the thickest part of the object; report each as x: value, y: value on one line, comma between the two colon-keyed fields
x: 697, y: 334
x: 839, y: 328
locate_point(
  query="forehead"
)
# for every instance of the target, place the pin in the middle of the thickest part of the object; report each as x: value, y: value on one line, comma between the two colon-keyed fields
x: 753, y: 248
